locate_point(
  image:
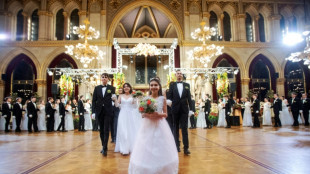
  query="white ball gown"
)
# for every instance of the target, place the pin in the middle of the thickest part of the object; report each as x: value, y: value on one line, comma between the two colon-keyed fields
x: 69, y: 119
x: 24, y: 125
x: 155, y: 151
x: 56, y: 117
x: 285, y: 116
x: 88, y: 122
x: 247, y: 116
x: 221, y: 120
x: 41, y: 118
x: 127, y: 126
x: 267, y: 114
x: 13, y: 123
x: 201, y: 120
x: 2, y: 123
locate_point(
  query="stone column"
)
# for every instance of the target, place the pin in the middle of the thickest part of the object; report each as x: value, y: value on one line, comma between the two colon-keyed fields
x: 43, y: 25
x: 245, y: 86
x: 241, y: 27
x: 187, y: 33
x: 276, y: 33
x: 25, y: 27
x: 65, y: 25
x: 280, y: 86
x: 103, y: 24
x: 41, y: 83
x: 221, y: 32
x: 256, y: 29
x: 2, y: 88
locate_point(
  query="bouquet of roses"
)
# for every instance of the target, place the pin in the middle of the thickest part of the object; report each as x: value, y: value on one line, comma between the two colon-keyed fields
x: 137, y: 94
x: 147, y: 105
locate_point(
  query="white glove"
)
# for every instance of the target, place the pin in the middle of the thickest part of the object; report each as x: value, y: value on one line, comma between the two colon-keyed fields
x: 169, y: 102
x: 190, y: 113
x: 257, y: 112
x: 81, y: 113
x: 30, y: 116
x: 13, y: 116
x: 48, y: 116
x: 280, y: 111
x: 60, y: 116
x: 228, y: 113
x: 4, y: 116
x: 207, y: 112
x: 300, y: 111
x: 113, y: 97
x: 93, y: 116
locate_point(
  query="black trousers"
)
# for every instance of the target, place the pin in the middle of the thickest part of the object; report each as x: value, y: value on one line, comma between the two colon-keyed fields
x: 96, y: 124
x: 18, y: 121
x: 50, y: 123
x: 170, y: 122
x: 111, y: 126
x: 295, y: 116
x: 33, y: 122
x: 256, y: 120
x: 193, y: 123
x: 306, y: 116
x: 277, y: 119
x: 104, y: 120
x: 207, y: 120
x: 81, y: 122
x: 116, y: 113
x: 181, y: 119
x: 62, y: 123
x: 7, y: 122
x: 227, y: 117
x: 242, y: 112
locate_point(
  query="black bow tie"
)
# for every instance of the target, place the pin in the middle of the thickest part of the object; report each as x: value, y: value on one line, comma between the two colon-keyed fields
x: 104, y: 86
x: 179, y: 82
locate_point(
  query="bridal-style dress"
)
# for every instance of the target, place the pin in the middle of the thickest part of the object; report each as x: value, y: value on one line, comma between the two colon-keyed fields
x: 41, y: 118
x: 24, y: 125
x: 285, y: 116
x: 267, y: 114
x: 201, y: 118
x: 88, y: 121
x: 56, y: 117
x: 221, y: 120
x: 154, y: 151
x: 69, y: 119
x: 247, y: 116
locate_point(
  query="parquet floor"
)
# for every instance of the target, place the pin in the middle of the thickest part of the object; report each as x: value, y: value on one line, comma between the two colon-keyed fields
x: 219, y: 150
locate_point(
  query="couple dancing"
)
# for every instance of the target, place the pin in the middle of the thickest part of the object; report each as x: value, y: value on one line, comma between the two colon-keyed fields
x: 154, y: 150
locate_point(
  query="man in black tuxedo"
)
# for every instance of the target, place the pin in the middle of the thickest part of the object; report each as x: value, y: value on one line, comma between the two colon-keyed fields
x: 295, y: 105
x: 32, y: 115
x: 207, y: 110
x: 81, y: 111
x: 180, y: 97
x: 62, y: 113
x: 305, y: 108
x: 227, y: 111
x: 102, y: 107
x: 242, y: 103
x: 18, y: 113
x: 74, y: 106
x: 192, y: 116
x: 277, y: 108
x: 50, y: 111
x: 6, y: 112
x: 256, y: 108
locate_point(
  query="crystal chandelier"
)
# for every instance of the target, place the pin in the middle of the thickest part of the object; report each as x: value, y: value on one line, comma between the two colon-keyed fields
x: 305, y: 55
x: 84, y: 51
x: 205, y: 52
x: 145, y: 49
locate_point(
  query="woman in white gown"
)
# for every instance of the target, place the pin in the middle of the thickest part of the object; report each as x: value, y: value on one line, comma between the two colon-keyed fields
x: 41, y: 116
x: 221, y: 120
x: 285, y: 116
x: 56, y: 115
x: 24, y: 125
x: 68, y: 118
x: 2, y: 122
x: 201, y: 120
x: 267, y: 113
x: 126, y: 125
x: 155, y: 151
x: 247, y: 116
x: 87, y: 116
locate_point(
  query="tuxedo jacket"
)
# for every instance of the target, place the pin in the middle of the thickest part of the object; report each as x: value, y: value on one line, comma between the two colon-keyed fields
x: 277, y: 106
x: 227, y: 107
x: 32, y: 110
x: 306, y: 105
x: 207, y: 106
x: 295, y: 104
x: 180, y: 103
x: 49, y: 110
x: 62, y: 110
x: 103, y: 101
x: 6, y: 110
x: 256, y: 106
x: 81, y: 109
x: 17, y: 110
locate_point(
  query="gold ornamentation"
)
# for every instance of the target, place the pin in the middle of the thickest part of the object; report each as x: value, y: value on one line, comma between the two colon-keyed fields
x: 115, y: 3
x: 175, y: 4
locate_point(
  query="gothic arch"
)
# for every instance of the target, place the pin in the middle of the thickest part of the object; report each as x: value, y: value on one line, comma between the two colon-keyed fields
x: 230, y: 10
x: 70, y: 7
x: 216, y: 9
x: 252, y: 11
x: 30, y: 7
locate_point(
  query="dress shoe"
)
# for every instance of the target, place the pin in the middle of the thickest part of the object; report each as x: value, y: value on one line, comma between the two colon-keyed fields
x: 179, y: 150
x: 30, y: 131
x: 191, y: 128
x: 275, y: 126
x: 104, y: 152
x: 227, y: 127
x: 206, y: 127
x: 64, y: 131
x: 187, y: 152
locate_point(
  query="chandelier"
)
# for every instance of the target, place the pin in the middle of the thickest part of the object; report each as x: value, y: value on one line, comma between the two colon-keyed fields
x: 205, y: 52
x: 305, y: 55
x: 84, y: 51
x: 145, y: 49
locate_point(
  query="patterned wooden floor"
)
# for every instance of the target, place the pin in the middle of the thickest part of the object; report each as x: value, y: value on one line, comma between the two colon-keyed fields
x: 220, y: 150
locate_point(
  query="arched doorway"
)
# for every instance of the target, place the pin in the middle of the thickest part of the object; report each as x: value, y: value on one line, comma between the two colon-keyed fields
x: 262, y: 76
x: 295, y: 74
x: 226, y: 60
x: 61, y: 61
x: 20, y: 77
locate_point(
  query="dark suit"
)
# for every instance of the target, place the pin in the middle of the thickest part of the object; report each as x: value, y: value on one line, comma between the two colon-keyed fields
x: 102, y: 107
x: 242, y: 108
x: 62, y: 114
x: 305, y: 110
x: 277, y: 107
x: 6, y: 110
x: 256, y: 108
x: 32, y: 117
x: 18, y: 113
x: 192, y: 117
x: 50, y: 111
x: 113, y: 126
x: 207, y: 108
x: 228, y: 112
x: 180, y: 109
x: 295, y: 105
x: 81, y: 111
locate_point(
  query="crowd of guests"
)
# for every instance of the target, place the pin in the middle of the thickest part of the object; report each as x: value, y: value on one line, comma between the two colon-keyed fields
x: 293, y: 111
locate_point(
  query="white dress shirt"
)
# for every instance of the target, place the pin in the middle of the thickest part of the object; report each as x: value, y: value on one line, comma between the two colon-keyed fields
x: 103, y: 90
x: 180, y: 88
x: 35, y: 106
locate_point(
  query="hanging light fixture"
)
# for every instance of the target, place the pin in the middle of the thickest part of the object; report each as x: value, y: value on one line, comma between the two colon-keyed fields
x: 85, y: 52
x: 145, y: 49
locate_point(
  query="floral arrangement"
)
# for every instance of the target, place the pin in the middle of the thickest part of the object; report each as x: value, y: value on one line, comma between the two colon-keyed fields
x: 66, y: 86
x: 196, y: 113
x: 269, y: 94
x: 250, y: 93
x: 145, y: 49
x: 147, y: 105
x: 171, y: 78
x: 222, y: 84
x: 137, y: 94
x: 119, y: 80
